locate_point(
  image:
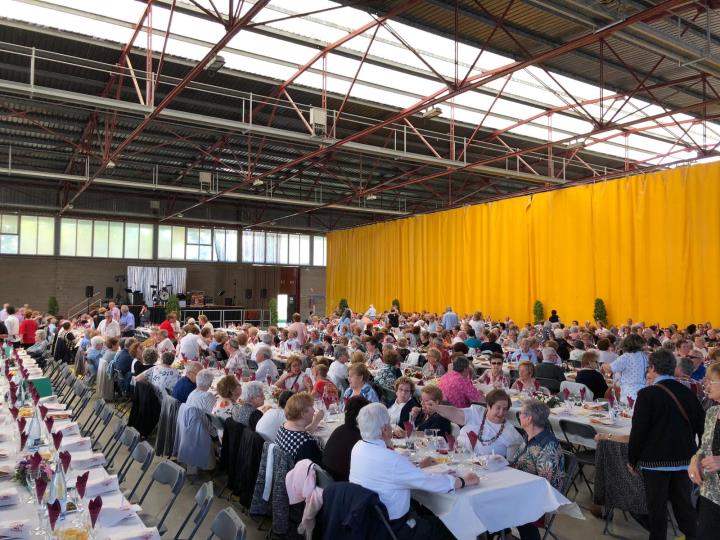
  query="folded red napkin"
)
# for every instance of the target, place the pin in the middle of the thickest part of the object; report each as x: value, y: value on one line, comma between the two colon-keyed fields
x: 631, y: 402
x: 451, y: 441
x: 21, y: 424
x: 566, y: 394
x: 49, y: 424
x: 582, y: 393
x: 65, y: 459
x: 23, y: 440
x: 35, y: 461
x: 611, y: 400
x: 81, y: 483
x: 43, y: 412
x: 57, y: 439
x: 268, y: 380
x: 40, y: 486
x: 408, y: 428
x: 94, y: 507
x: 53, y: 512
x: 14, y: 411
x: 473, y: 438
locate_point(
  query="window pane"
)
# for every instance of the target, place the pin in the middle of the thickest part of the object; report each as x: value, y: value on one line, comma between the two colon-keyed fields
x: 192, y: 252
x: 247, y: 246
x: 28, y: 235
x: 178, y: 243
x: 231, y: 245
x: 165, y: 242
x: 46, y: 236
x: 205, y: 237
x: 9, y: 224
x: 132, y: 240
x: 271, y: 248
x: 259, y: 247
x: 282, y: 249
x: 304, y: 249
x: 68, y: 237
x: 115, y: 239
x: 100, y: 240
x: 84, y: 238
x: 146, y: 242
x: 319, y: 250
x: 9, y: 244
x: 192, y: 235
x: 219, y: 245
x: 205, y: 253
x: 294, y: 249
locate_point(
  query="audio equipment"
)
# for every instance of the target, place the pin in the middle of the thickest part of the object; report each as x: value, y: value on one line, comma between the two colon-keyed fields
x: 89, y: 291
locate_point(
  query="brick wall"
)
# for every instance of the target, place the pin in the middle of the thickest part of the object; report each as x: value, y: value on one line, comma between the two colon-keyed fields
x: 33, y: 280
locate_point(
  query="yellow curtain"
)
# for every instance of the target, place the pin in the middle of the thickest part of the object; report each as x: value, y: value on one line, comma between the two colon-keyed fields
x: 648, y: 245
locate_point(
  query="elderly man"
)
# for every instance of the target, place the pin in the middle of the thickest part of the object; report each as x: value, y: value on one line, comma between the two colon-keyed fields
x: 109, y: 327
x: 375, y: 466
x: 187, y: 383
x: 201, y: 397
x: 114, y: 311
x: 525, y: 353
x: 450, y: 319
x: 163, y: 343
x: 266, y: 367
x: 338, y: 371
x: 457, y: 386
x: 127, y: 322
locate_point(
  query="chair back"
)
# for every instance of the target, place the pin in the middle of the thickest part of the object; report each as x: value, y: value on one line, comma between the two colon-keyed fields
x: 570, y: 467
x: 575, y: 388
x: 551, y: 385
x: 216, y: 422
x: 322, y: 477
x: 227, y: 525
x: 169, y: 474
x: 578, y: 430
x: 203, y: 501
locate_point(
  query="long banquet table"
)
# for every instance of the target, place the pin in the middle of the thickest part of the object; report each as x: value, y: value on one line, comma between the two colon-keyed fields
x: 118, y: 519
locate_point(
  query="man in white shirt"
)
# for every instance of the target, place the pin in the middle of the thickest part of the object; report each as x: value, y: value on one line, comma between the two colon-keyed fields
x: 190, y: 346
x: 164, y: 343
x: 12, y: 323
x: 266, y: 367
x: 109, y: 327
x: 338, y: 371
x: 392, y: 476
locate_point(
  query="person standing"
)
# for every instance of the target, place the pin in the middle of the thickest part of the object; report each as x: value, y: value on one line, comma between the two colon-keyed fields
x: 450, y: 319
x: 13, y: 327
x: 666, y: 421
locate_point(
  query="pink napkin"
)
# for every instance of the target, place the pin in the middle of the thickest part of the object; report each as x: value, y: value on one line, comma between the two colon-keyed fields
x: 94, y: 507
x: 40, y: 486
x: 473, y: 438
x: 566, y: 394
x: 81, y: 483
x: 49, y: 423
x: 53, y: 512
x: 582, y: 393
x: 65, y: 459
x: 57, y: 439
x: 631, y: 402
x: 451, y: 441
x: 43, y: 412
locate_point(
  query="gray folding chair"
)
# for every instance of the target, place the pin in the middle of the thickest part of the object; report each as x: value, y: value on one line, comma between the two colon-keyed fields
x: 168, y: 474
x: 227, y: 525
x: 129, y: 439
x: 203, y: 501
x: 570, y: 469
x: 93, y: 419
x: 106, y: 415
x: 143, y: 454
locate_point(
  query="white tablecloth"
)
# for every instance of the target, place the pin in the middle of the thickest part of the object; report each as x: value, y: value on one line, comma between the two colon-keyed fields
x: 506, y: 498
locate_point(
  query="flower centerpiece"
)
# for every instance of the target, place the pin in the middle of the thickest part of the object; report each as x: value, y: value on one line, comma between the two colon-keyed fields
x: 550, y: 401
x: 24, y: 465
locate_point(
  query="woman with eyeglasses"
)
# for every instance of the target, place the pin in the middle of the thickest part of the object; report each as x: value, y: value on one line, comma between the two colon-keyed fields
x: 495, y: 376
x: 704, y: 469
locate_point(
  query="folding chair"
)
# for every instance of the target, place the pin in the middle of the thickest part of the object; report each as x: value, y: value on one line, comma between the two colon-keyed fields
x: 585, y: 456
x: 570, y: 471
x: 203, y: 501
x: 227, y: 525
x: 115, y: 438
x: 93, y: 419
x: 143, y: 454
x: 130, y: 438
x: 169, y: 474
x: 105, y: 416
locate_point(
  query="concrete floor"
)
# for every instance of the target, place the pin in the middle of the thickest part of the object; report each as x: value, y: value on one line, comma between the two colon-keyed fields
x: 564, y: 527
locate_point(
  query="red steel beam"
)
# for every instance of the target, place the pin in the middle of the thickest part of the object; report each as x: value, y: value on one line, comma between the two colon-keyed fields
x: 472, y: 82
x: 220, y: 45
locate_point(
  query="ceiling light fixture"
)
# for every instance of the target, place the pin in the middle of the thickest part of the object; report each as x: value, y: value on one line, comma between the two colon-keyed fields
x: 371, y: 197
x: 216, y: 65
x: 433, y: 112
x: 258, y: 182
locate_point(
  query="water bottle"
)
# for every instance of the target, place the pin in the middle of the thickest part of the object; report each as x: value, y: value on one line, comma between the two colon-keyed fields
x: 58, y: 488
x: 34, y: 439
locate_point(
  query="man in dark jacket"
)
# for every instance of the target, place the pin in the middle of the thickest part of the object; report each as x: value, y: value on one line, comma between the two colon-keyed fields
x: 667, y: 422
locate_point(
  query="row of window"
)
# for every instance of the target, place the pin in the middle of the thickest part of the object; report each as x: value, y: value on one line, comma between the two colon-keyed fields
x: 35, y: 235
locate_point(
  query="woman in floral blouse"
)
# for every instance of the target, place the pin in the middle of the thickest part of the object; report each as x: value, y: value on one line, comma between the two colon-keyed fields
x: 540, y: 455
x: 704, y: 469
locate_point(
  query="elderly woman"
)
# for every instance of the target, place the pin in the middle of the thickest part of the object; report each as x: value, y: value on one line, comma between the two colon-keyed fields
x: 403, y: 404
x: 373, y: 356
x: 294, y: 379
x: 358, y: 377
x: 526, y: 378
x: 704, y: 469
x: 187, y: 383
x: 495, y: 376
x: 248, y: 412
x: 540, y: 455
x: 426, y: 416
x: 293, y: 436
x: 495, y: 434
x: 433, y: 368
x: 144, y: 360
x: 630, y: 367
x: 164, y: 376
x: 389, y: 371
x: 228, y: 393
x: 94, y: 354
x: 336, y: 454
x: 589, y: 375
x: 105, y: 385
x: 41, y: 345
x: 201, y: 397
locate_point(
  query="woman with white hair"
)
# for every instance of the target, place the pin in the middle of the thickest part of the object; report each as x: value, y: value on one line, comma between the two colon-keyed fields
x: 252, y: 397
x: 371, y: 459
x: 41, y: 345
x: 164, y: 375
x: 94, y: 353
x: 201, y: 397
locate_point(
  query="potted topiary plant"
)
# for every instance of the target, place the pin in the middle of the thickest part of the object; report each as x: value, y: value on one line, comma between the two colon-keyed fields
x: 599, y: 312
x: 342, y: 305
x: 273, y: 311
x: 173, y: 304
x: 538, y: 312
x: 396, y: 304
x: 53, y: 307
